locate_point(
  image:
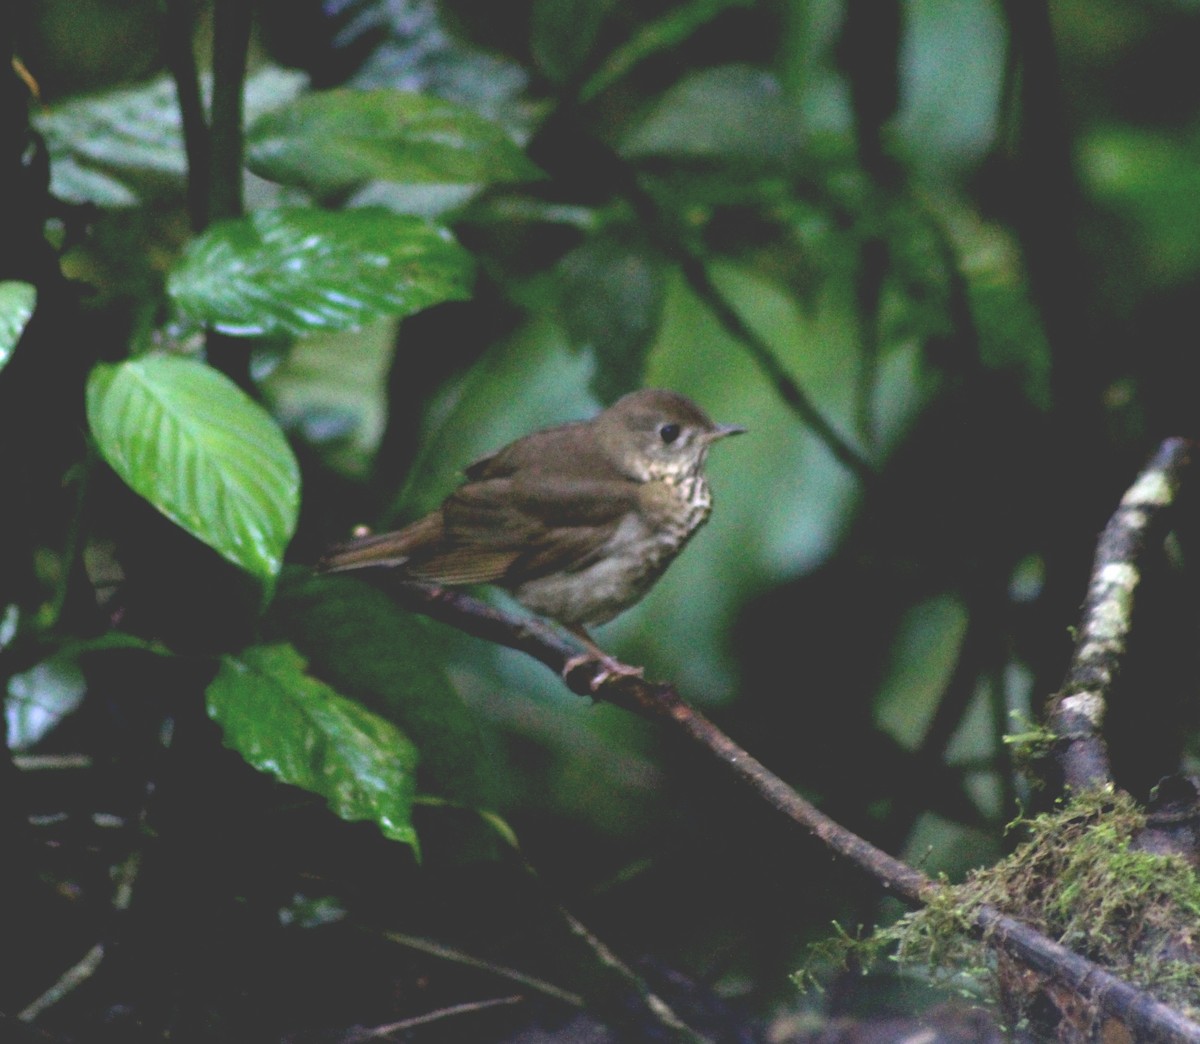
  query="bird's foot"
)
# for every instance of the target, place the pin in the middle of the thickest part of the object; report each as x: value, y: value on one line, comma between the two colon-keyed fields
x: 609, y: 668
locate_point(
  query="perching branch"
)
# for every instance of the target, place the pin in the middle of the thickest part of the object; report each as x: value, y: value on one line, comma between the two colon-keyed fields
x: 1077, y: 711
x: 1149, y: 1019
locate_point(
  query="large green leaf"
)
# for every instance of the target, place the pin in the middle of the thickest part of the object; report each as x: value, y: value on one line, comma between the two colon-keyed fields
x: 284, y: 722
x: 192, y: 443
x: 299, y: 270
x: 16, y: 307
x: 335, y: 140
x: 394, y: 661
x: 134, y: 129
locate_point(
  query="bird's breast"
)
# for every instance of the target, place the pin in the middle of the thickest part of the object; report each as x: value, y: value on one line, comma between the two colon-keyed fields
x: 626, y: 566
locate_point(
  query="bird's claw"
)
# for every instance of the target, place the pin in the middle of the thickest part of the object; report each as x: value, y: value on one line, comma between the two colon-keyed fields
x: 609, y: 668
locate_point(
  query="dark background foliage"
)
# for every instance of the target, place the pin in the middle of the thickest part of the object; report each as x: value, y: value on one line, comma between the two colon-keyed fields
x: 937, y: 256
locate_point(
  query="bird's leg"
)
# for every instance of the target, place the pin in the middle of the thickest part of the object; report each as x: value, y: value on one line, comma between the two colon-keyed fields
x: 611, y: 667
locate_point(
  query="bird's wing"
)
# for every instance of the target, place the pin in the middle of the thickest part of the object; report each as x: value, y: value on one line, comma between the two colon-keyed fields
x: 530, y: 527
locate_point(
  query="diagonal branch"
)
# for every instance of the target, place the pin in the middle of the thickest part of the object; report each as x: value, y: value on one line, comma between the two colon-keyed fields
x: 1149, y: 1019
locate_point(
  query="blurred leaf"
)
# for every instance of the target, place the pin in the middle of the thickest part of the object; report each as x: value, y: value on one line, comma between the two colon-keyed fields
x: 333, y: 140
x: 668, y: 31
x: 563, y: 33
x: 331, y: 388
x: 17, y: 301
x: 284, y: 722
x: 131, y: 128
x: 267, y: 88
x: 134, y: 129
x: 1151, y: 180
x: 193, y: 444
x: 410, y: 50
x: 1008, y: 322
x: 73, y: 182
x: 300, y: 270
x: 360, y: 641
x: 923, y: 657
x: 611, y: 302
x: 733, y: 112
x: 40, y: 698
x: 951, y: 68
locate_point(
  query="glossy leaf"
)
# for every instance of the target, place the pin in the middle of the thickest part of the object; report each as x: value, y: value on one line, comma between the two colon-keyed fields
x: 17, y: 301
x: 135, y: 129
x: 287, y: 723
x: 357, y: 639
x: 299, y: 270
x: 193, y: 444
x: 334, y: 140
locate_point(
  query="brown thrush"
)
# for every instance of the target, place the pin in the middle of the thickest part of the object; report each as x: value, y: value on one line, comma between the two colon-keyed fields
x: 577, y: 521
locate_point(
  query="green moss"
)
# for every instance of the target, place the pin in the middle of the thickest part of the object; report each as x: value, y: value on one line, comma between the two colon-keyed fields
x: 1078, y: 879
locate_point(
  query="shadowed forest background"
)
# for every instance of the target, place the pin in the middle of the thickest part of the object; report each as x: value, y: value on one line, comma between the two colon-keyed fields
x: 272, y: 271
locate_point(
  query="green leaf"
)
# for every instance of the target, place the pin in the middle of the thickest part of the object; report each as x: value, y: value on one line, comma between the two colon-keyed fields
x: 136, y: 129
x: 299, y: 270
x: 922, y: 659
x: 612, y: 297
x: 17, y: 301
x: 952, y: 68
x: 284, y: 722
x: 732, y: 112
x: 668, y: 31
x: 1148, y: 179
x: 563, y: 32
x: 393, y: 661
x: 193, y: 444
x: 334, y: 140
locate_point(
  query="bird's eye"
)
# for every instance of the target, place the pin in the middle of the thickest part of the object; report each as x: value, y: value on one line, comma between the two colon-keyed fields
x: 668, y: 433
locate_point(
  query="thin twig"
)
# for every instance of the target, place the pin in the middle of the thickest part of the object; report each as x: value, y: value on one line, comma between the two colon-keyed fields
x: 1150, y: 1019
x: 453, y: 1011
x: 1077, y: 711
x: 447, y: 953
x: 631, y: 987
x: 789, y: 390
x: 73, y: 977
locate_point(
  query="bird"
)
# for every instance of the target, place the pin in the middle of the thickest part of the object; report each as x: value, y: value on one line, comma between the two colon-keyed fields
x: 576, y: 521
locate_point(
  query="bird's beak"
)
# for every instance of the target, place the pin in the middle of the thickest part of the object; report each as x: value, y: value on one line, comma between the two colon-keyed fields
x: 721, y: 430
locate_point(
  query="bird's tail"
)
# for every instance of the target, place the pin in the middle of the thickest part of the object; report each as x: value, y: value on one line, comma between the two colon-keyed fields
x: 384, y: 549
x: 379, y: 549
